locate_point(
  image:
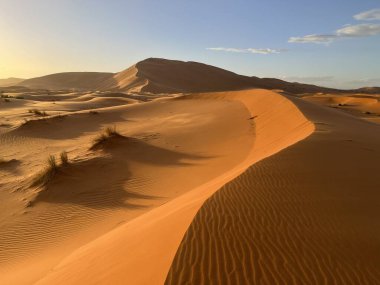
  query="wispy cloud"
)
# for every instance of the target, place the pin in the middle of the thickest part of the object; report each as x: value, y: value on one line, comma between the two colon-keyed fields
x: 370, y: 15
x: 248, y: 50
x: 316, y: 39
x: 366, y: 82
x: 361, y: 30
x: 308, y: 79
x: 348, y: 31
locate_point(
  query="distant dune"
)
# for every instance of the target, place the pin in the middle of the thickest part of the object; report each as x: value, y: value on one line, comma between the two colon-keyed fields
x: 68, y: 80
x: 155, y: 75
x: 10, y: 81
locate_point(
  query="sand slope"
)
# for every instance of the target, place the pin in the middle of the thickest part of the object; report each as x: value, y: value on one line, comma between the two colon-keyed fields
x: 10, y: 81
x: 158, y: 76
x: 171, y: 146
x: 68, y: 80
x: 307, y: 215
x: 141, y: 251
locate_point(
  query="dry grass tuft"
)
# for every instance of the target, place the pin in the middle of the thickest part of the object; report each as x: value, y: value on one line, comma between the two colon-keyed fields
x: 108, y: 133
x: 64, y: 158
x: 50, y: 170
x: 45, y: 176
x: 37, y: 112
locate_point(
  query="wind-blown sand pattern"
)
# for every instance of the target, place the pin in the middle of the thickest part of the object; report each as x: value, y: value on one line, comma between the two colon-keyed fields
x: 304, y: 216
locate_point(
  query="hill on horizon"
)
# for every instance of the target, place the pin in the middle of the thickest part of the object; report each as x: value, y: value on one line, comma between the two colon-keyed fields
x: 11, y: 81
x: 156, y: 75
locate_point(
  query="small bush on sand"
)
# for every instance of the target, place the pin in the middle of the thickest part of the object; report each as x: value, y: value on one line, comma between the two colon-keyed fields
x: 47, y: 173
x: 93, y: 112
x: 108, y: 133
x: 7, y: 100
x: 111, y: 131
x: 37, y: 112
x: 64, y: 158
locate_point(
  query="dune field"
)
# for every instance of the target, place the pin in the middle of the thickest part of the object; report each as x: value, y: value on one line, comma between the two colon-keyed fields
x: 144, y: 177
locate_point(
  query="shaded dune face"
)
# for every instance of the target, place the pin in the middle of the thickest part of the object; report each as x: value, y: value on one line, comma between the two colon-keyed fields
x: 303, y: 216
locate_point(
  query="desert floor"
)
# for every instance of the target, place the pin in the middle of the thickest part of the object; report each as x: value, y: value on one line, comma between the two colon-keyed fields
x: 243, y: 187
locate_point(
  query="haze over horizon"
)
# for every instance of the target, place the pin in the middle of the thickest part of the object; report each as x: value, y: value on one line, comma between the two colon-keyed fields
x: 329, y: 44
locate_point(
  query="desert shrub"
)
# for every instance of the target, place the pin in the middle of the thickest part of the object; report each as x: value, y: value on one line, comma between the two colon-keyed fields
x: 64, y: 158
x: 108, y: 133
x: 37, y: 112
x: 111, y: 131
x: 43, y: 177
x: 6, y: 100
x: 92, y: 112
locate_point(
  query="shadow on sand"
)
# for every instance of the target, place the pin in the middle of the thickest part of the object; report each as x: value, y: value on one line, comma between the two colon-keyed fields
x: 101, y: 181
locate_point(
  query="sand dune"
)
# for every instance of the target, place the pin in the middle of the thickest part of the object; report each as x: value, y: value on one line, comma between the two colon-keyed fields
x: 304, y: 216
x: 160, y: 159
x: 67, y: 80
x: 158, y: 76
x: 364, y: 106
x: 141, y: 251
x: 248, y: 187
x: 10, y: 81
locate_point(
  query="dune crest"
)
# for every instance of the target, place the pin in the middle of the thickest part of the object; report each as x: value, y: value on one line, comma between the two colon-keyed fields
x: 141, y: 251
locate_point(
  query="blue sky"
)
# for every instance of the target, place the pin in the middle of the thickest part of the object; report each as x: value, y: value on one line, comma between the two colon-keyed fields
x: 262, y: 38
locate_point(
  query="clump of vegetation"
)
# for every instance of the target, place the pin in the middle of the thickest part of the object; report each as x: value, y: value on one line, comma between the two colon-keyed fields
x: 50, y: 170
x: 5, y: 96
x: 92, y: 112
x: 109, y: 132
x: 7, y: 100
x: 47, y: 173
x: 37, y: 112
x: 64, y: 158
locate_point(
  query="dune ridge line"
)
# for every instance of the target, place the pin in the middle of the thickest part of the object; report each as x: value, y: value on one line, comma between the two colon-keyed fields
x: 141, y: 251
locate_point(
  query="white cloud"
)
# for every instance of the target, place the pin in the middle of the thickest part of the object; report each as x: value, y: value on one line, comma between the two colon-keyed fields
x: 227, y: 49
x: 248, y: 50
x: 368, y: 15
x: 316, y: 39
x: 348, y: 31
x: 361, y: 30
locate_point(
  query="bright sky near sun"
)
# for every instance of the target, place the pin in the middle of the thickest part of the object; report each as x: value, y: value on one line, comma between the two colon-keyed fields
x: 326, y: 42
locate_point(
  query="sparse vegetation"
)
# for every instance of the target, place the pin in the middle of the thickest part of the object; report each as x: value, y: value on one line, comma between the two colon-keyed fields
x: 108, y: 133
x: 37, y: 112
x: 6, y: 100
x: 50, y: 170
x: 92, y: 112
x: 64, y: 158
x: 47, y: 173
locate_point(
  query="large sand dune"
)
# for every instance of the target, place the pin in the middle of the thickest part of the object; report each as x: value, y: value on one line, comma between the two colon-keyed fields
x: 141, y: 251
x: 157, y: 75
x: 304, y: 216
